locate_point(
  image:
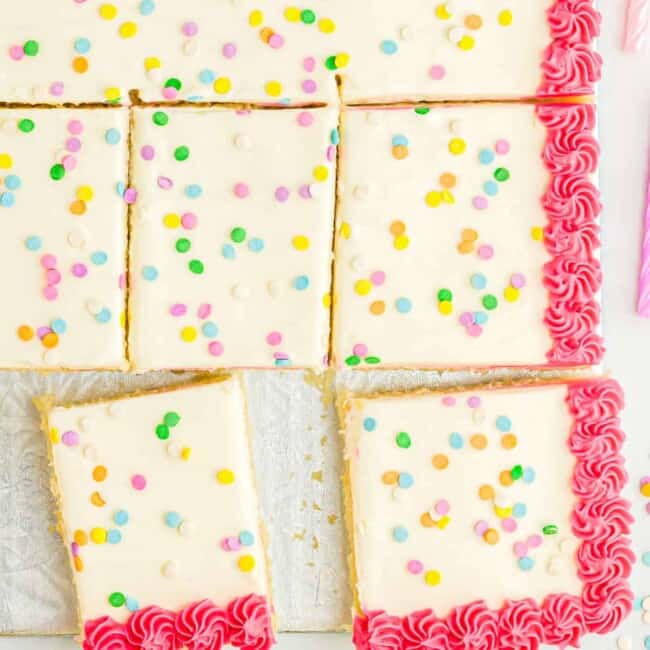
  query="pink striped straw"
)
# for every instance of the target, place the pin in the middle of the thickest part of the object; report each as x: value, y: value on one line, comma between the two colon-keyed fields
x: 643, y: 304
x: 637, y: 25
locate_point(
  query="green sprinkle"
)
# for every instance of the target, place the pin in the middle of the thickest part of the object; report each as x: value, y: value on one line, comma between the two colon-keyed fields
x: 422, y: 110
x: 551, y: 529
x: 183, y: 245
x: 501, y: 174
x: 160, y: 118
x: 238, y: 235
x: 31, y: 48
x: 181, y: 153
x: 489, y: 301
x: 403, y: 440
x: 445, y: 295
x: 353, y: 360
x: 372, y: 360
x: 117, y: 599
x: 26, y: 125
x: 57, y: 172
x: 330, y: 62
x: 516, y: 472
x: 307, y: 16
x: 172, y: 82
x: 171, y: 418
x: 162, y: 431
x: 196, y: 266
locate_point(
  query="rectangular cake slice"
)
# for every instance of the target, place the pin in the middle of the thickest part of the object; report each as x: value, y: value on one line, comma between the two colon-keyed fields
x: 63, y: 245
x: 231, y: 237
x: 488, y: 517
x: 159, y: 511
x: 467, y: 236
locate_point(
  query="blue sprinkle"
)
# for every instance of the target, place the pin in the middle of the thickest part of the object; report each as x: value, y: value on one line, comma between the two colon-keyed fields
x: 400, y: 534
x: 12, y: 182
x: 456, y: 441
x: 504, y: 423
x: 519, y: 510
x: 645, y: 558
x: 104, y: 316
x: 637, y: 603
x: 256, y: 244
x: 150, y: 273
x: 114, y: 536
x: 400, y: 140
x: 113, y: 136
x: 210, y: 329
x: 405, y: 480
x: 646, y: 643
x: 7, y: 199
x: 301, y: 283
x: 172, y: 519
x: 228, y: 251
x: 99, y: 258
x: 33, y: 243
x: 282, y: 362
x: 478, y: 281
x: 491, y: 188
x: 147, y: 7
x: 121, y: 517
x: 193, y: 191
x: 196, y: 98
x: 370, y: 424
x: 246, y: 538
x: 82, y: 45
x: 207, y: 76
x: 486, y: 156
x: 335, y: 138
x: 59, y: 326
x: 529, y: 475
x: 480, y: 317
x: 132, y: 604
x: 120, y: 188
x: 403, y: 305
x: 388, y: 47
x: 526, y: 563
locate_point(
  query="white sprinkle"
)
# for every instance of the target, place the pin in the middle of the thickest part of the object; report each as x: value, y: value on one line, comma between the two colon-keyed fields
x: 645, y: 604
x: 242, y: 141
x: 93, y: 307
x: 115, y: 409
x: 646, y: 618
x: 567, y: 545
x: 554, y: 565
x: 455, y: 34
x: 373, y: 117
x: 170, y: 569
x: 360, y: 192
x: 456, y: 127
x: 190, y: 47
x: 398, y: 494
x: 187, y: 529
x: 240, y: 292
x: 174, y: 449
x: 478, y: 415
x: 357, y: 263
x: 624, y: 643
x: 83, y: 424
x: 90, y: 452
x: 405, y: 33
x: 76, y: 238
x: 154, y: 75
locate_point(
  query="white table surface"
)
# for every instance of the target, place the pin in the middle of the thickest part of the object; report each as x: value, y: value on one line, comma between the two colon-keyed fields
x: 624, y: 131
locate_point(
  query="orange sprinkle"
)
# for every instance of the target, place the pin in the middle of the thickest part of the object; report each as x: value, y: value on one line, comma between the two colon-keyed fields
x: 25, y: 333
x: 426, y: 520
x: 478, y: 441
x: 390, y: 478
x: 99, y: 473
x: 465, y: 247
x: 486, y: 492
x: 473, y: 21
x: 469, y: 234
x: 440, y: 461
x: 266, y: 33
x: 400, y: 151
x: 509, y: 441
x: 50, y: 340
x: 447, y: 180
x: 80, y: 64
x: 491, y: 536
x: 80, y: 537
x: 97, y: 500
x: 378, y: 307
x: 78, y: 564
x: 78, y: 207
x: 397, y: 228
x: 505, y: 479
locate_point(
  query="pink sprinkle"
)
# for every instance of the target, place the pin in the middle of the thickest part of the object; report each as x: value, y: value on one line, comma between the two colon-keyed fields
x: 276, y: 41
x: 309, y: 64
x: 518, y: 280
x: 224, y: 544
x: 534, y: 541
x: 449, y: 400
x: 79, y: 270
x: 56, y: 89
x: 282, y: 194
x: 274, y: 338
x: 73, y: 145
x: 485, y: 251
x: 169, y: 92
x: 189, y: 220
x: 644, y: 480
x: 229, y: 50
x: 415, y: 567
x: 442, y: 507
x: 647, y: 507
x: 474, y: 330
x: 480, y: 202
x: 204, y: 310
x: 437, y: 72
x: 121, y: 281
x: 466, y: 318
x: 304, y: 192
x: 138, y: 482
x: 147, y: 152
x: 178, y: 309
x: 42, y: 331
x: 165, y: 183
x: 241, y: 190
x: 215, y: 348
x: 69, y: 163
x: 480, y: 527
x: 233, y: 544
x: 48, y: 261
x: 331, y: 153
x: 502, y: 147
x: 509, y: 525
x: 50, y: 293
x: 282, y: 356
x: 520, y: 549
x: 309, y: 86
x: 474, y: 401
x: 130, y: 195
x: 190, y: 28
x: 75, y: 127
x: 305, y: 118
x: 378, y: 278
x: 70, y: 438
x: 360, y: 350
x: 52, y: 276
x: 74, y: 549
x: 16, y: 52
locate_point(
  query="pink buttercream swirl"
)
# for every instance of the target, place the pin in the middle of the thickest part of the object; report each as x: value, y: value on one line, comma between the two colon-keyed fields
x: 203, y: 626
x: 153, y: 628
x: 572, y: 238
x: 569, y: 69
x: 572, y: 280
x: 567, y: 117
x: 377, y: 630
x: 105, y: 634
x: 424, y: 631
x: 563, y: 620
x: 250, y: 623
x: 520, y: 625
x: 571, y: 152
x: 571, y: 198
x: 574, y: 21
x: 473, y: 626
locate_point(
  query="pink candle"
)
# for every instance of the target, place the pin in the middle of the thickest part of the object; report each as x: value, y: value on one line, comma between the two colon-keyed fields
x: 643, y: 304
x: 637, y: 25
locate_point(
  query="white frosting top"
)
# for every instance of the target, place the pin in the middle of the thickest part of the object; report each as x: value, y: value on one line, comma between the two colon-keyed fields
x: 160, y: 507
x: 437, y: 206
x: 268, y: 51
x: 231, y: 247
x: 405, y: 561
x: 62, y: 250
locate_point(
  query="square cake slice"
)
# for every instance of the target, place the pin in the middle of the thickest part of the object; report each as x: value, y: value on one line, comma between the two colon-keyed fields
x: 231, y: 237
x: 488, y: 518
x: 467, y: 236
x: 63, y: 244
x: 159, y: 511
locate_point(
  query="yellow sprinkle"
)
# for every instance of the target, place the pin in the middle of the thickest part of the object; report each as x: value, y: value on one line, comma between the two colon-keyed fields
x: 292, y: 14
x: 98, y: 535
x: 466, y: 43
x: 122, y: 319
x: 188, y: 334
x: 401, y: 242
x: 186, y: 452
x: 327, y: 301
x: 442, y: 12
x: 222, y: 85
x: 54, y: 435
x: 321, y: 173
x: 326, y: 25
x: 255, y: 18
x: 432, y: 578
x: 108, y: 11
x: 445, y: 307
x: 172, y: 220
x: 645, y: 490
x: 502, y: 513
x: 433, y: 199
x: 300, y: 242
x: 85, y: 193
x: 363, y: 287
x: 457, y: 146
x: 448, y: 197
x: 128, y: 30
x: 112, y: 94
x: 345, y: 230
x: 246, y: 563
x: 511, y: 294
x: 505, y: 18
x: 443, y: 522
x: 151, y: 62
x: 225, y: 476
x: 537, y: 233
x: 341, y: 60
x: 5, y: 161
x: 273, y: 88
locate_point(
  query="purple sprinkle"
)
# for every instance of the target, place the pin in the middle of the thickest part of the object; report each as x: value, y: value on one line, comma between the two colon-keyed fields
x: 282, y: 194
x: 130, y: 195
x: 518, y: 280
x: 229, y: 50
x: 73, y: 145
x: 474, y: 401
x: 304, y: 192
x: 42, y: 331
x: 309, y: 86
x: 70, y: 438
x: 178, y: 309
x: 204, y: 310
x: 79, y: 270
x: 147, y: 152
x: 480, y: 202
x: 190, y: 28
x: 56, y: 89
x: 165, y: 183
x: 466, y: 318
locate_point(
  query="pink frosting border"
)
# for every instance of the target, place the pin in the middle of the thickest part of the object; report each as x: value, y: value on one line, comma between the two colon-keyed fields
x: 572, y: 204
x: 601, y: 519
x: 245, y: 623
x: 570, y: 66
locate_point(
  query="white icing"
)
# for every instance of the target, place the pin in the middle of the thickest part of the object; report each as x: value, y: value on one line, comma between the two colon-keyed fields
x: 156, y: 564
x: 470, y: 568
x: 514, y: 332
x: 42, y: 209
x: 252, y: 295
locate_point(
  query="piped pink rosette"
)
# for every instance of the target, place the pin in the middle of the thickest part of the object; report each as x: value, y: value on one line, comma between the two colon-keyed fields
x: 570, y: 66
x: 245, y: 623
x: 601, y: 521
x: 572, y: 204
